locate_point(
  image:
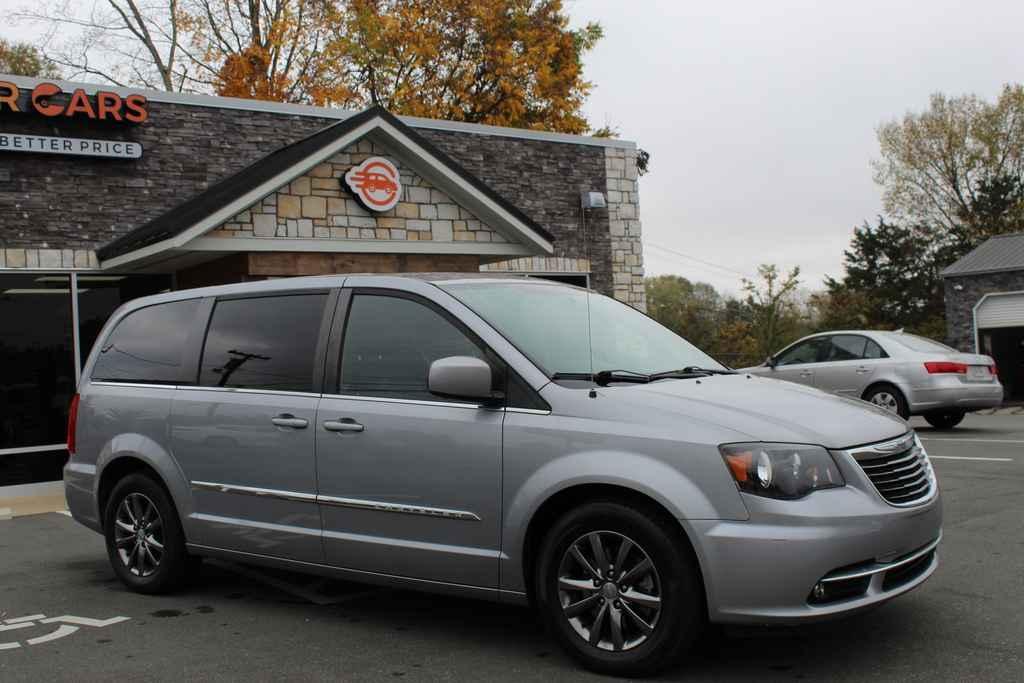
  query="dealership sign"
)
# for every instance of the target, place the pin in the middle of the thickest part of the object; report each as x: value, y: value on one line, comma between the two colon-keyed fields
x: 45, y: 144
x: 47, y: 99
x: 376, y: 183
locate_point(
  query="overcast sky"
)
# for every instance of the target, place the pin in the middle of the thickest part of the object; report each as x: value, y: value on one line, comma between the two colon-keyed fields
x: 760, y: 115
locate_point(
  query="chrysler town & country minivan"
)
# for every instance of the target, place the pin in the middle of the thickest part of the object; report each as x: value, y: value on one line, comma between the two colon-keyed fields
x: 507, y: 438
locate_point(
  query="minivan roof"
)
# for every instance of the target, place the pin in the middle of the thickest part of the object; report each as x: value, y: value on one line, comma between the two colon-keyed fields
x: 341, y: 279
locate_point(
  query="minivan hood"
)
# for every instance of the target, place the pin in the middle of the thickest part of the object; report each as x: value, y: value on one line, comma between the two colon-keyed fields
x: 761, y: 409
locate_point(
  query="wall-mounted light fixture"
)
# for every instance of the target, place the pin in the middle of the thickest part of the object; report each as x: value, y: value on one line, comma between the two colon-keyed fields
x: 593, y: 200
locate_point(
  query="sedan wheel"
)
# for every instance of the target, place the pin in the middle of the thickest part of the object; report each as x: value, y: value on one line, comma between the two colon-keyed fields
x: 609, y: 590
x: 889, y: 398
x: 886, y: 400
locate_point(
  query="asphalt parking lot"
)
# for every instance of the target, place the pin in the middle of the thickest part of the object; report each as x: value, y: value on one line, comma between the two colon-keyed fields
x: 72, y: 620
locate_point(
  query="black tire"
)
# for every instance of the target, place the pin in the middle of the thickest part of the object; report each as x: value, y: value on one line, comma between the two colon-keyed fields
x: 153, y: 570
x: 675, y: 580
x: 945, y: 419
x: 879, y: 393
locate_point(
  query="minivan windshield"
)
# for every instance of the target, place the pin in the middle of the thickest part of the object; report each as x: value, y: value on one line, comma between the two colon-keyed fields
x: 548, y: 323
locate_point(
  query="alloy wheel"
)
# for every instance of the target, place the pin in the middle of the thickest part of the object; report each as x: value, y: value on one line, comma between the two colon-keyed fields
x: 887, y: 401
x: 609, y: 590
x: 138, y: 534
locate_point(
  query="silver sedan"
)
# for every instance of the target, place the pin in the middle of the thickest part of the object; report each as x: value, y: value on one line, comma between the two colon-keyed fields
x: 903, y: 373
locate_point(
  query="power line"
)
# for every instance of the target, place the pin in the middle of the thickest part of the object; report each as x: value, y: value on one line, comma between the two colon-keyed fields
x: 694, y: 258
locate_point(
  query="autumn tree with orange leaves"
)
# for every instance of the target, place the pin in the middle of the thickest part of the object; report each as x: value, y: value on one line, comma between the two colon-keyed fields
x: 502, y: 62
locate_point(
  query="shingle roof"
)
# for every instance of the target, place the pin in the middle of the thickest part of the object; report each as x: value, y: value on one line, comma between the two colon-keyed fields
x: 227, y: 190
x: 1002, y: 252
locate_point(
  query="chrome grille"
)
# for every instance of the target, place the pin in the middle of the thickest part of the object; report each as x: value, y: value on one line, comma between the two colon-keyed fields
x: 899, y: 470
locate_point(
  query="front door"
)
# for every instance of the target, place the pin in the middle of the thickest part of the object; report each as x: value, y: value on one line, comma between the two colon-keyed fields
x: 799, y: 362
x: 849, y: 362
x: 244, y: 437
x: 409, y: 483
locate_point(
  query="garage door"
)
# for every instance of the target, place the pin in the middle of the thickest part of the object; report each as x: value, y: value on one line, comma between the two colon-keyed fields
x: 1000, y: 310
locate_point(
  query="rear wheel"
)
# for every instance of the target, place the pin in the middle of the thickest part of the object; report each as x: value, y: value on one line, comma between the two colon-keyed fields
x: 890, y: 398
x: 145, y: 542
x: 946, y: 419
x: 618, y: 589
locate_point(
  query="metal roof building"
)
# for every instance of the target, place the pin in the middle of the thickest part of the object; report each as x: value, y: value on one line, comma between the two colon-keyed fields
x: 985, y: 306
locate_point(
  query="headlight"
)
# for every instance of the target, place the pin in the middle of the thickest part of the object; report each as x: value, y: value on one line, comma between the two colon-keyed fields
x: 781, y: 470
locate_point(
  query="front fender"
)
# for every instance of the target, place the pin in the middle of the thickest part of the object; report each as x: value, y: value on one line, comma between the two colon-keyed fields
x: 662, y: 482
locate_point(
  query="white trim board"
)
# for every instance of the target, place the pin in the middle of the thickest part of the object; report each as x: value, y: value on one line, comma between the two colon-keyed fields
x: 344, y: 246
x: 212, y: 101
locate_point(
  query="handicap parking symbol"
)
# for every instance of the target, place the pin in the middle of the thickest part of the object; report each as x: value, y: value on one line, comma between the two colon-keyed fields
x: 63, y: 626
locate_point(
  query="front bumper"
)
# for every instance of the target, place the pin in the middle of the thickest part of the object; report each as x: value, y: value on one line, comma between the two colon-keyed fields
x: 949, y: 393
x: 863, y: 550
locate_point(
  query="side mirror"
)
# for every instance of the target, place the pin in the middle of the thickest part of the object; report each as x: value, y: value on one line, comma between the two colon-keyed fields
x: 771, y: 362
x: 461, y: 377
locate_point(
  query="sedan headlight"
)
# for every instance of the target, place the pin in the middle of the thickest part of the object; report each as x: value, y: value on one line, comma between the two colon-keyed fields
x: 781, y: 470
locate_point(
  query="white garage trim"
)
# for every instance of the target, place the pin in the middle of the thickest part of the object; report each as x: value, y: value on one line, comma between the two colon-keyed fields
x: 1001, y: 309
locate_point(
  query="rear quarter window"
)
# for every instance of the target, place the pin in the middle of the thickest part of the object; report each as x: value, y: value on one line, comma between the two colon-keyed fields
x: 148, y: 345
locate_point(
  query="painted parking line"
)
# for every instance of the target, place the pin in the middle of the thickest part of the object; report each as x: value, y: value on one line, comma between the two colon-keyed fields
x: 968, y: 440
x: 962, y: 457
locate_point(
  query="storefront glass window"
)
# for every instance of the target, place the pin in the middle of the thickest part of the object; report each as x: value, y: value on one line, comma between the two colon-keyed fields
x: 36, y: 360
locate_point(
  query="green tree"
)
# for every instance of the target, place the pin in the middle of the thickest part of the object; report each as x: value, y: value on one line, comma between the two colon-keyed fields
x: 953, y: 165
x: 891, y: 279
x: 773, y: 307
x: 22, y: 59
x: 690, y: 309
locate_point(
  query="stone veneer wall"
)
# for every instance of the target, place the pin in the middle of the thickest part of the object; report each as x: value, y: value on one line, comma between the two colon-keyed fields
x: 960, y: 304
x: 319, y: 205
x: 62, y: 259
x: 624, y: 227
x: 50, y: 203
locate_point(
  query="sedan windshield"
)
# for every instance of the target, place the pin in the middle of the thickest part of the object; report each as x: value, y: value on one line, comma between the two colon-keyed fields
x: 549, y: 324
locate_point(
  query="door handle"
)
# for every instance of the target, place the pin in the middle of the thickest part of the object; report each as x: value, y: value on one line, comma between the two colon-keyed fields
x: 345, y: 424
x: 861, y: 370
x: 289, y: 420
x: 807, y: 373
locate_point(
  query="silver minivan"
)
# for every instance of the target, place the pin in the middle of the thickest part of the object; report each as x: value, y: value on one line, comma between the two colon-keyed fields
x: 505, y: 438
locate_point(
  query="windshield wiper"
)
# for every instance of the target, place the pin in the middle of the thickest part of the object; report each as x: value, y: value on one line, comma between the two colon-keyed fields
x: 689, y: 372
x: 605, y: 377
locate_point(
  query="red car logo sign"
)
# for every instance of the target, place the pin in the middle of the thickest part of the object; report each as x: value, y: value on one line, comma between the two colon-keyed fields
x: 375, y: 182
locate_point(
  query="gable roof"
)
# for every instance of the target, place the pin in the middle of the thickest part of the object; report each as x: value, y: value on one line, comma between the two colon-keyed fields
x: 222, y: 199
x: 999, y: 253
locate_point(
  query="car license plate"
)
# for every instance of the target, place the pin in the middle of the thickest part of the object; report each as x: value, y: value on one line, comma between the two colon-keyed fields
x: 978, y: 372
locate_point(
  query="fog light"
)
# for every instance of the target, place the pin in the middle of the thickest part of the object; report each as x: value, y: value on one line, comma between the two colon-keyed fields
x: 819, y: 591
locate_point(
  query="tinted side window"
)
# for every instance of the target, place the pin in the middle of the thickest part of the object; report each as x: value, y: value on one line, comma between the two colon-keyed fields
x: 806, y: 352
x: 873, y: 350
x: 149, y: 345
x: 846, y: 347
x: 390, y: 343
x: 264, y: 343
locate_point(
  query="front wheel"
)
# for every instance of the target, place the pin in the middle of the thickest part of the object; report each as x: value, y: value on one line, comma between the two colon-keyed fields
x: 890, y: 398
x: 145, y: 542
x: 945, y: 420
x: 619, y: 589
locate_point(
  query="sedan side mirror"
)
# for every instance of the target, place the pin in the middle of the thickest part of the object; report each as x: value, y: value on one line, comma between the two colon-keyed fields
x: 771, y: 362
x: 462, y: 377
